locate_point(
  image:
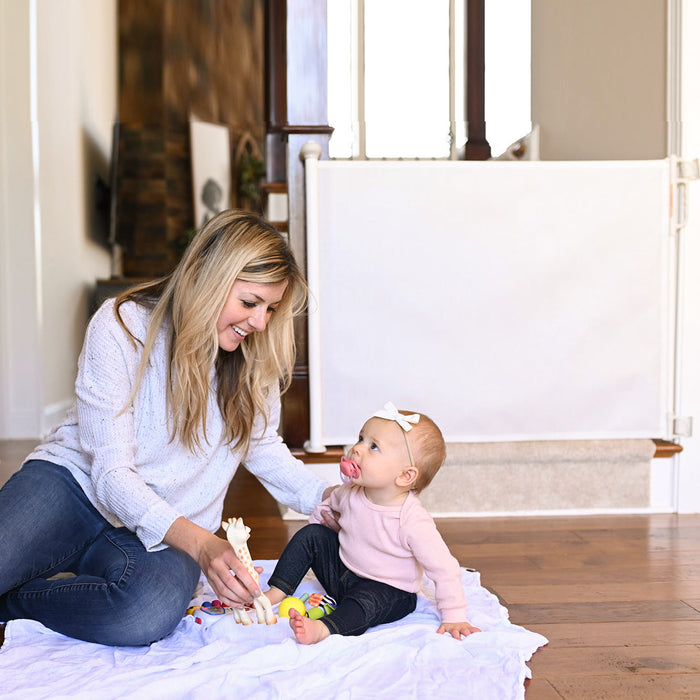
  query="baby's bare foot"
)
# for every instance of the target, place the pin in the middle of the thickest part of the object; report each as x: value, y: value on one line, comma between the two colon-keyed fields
x: 305, y: 630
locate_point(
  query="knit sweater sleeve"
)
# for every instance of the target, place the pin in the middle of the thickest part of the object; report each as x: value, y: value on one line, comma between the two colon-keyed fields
x: 107, y: 369
x: 286, y: 478
x: 429, y: 549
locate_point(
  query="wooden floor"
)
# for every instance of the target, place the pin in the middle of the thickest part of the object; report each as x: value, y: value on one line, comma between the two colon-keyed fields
x: 618, y: 597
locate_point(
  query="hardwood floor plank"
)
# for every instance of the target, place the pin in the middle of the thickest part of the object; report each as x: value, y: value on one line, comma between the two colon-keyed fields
x: 595, y: 634
x: 658, y: 537
x: 463, y: 530
x: 622, y: 538
x: 494, y: 575
x: 614, y: 561
x: 553, y: 663
x: 577, y: 551
x: 688, y: 591
x: 540, y: 689
x: 516, y: 564
x: 694, y: 603
x: 678, y: 687
x: 502, y: 527
x: 620, y: 611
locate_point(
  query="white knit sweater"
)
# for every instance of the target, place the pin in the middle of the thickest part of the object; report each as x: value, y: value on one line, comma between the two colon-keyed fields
x: 125, y: 462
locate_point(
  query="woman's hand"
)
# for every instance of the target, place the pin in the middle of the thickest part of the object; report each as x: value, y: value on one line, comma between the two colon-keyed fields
x: 330, y: 517
x: 226, y: 574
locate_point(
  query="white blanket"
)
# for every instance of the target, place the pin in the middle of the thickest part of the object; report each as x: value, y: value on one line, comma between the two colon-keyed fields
x: 220, y: 659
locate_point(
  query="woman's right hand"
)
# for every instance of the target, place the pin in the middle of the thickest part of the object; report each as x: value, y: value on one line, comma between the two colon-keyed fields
x: 329, y: 517
x: 227, y: 575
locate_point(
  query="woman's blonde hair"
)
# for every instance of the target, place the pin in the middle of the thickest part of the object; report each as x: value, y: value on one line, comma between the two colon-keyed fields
x: 234, y: 245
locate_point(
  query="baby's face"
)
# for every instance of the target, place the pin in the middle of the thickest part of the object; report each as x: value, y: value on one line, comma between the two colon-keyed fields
x: 380, y: 453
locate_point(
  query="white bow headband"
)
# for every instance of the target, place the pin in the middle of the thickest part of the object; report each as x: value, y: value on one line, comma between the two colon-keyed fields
x: 390, y: 412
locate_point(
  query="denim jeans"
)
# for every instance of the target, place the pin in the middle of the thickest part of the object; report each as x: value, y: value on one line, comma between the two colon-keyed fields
x: 120, y: 594
x: 362, y: 603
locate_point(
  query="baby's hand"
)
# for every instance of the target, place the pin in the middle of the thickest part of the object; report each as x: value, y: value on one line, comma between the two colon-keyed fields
x: 457, y: 629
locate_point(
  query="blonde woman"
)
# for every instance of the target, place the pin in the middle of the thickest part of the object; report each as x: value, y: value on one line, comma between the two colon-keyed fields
x: 178, y: 384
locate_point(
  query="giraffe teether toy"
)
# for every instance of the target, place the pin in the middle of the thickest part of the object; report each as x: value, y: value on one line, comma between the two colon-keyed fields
x: 237, y: 534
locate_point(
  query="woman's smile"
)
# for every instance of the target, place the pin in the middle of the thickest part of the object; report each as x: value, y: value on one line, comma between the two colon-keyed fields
x: 248, y: 309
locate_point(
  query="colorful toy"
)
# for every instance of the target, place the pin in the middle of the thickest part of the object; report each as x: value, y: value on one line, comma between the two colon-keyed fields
x: 320, y: 599
x: 315, y: 613
x: 289, y: 603
x: 237, y: 534
x: 320, y: 605
x: 214, y: 608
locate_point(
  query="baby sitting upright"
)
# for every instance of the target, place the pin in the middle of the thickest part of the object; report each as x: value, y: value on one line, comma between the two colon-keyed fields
x: 374, y: 566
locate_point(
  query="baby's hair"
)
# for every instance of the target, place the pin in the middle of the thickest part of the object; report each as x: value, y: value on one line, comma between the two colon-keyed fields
x: 428, y: 447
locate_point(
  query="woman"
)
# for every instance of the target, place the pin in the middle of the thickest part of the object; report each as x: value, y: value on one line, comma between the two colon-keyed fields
x: 178, y: 383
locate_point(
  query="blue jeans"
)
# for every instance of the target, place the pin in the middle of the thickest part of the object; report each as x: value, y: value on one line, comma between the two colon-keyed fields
x: 362, y: 602
x: 120, y: 595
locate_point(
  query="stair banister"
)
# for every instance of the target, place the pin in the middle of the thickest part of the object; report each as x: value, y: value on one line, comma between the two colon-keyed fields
x: 310, y: 154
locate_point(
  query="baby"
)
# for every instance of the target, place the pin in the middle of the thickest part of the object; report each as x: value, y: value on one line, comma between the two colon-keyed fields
x: 374, y: 566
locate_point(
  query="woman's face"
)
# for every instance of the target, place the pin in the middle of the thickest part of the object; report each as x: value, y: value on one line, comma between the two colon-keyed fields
x: 247, y: 310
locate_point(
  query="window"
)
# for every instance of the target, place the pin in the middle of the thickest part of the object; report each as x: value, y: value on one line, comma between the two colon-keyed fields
x: 396, y: 76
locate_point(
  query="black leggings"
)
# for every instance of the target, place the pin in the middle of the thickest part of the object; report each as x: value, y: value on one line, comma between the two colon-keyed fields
x: 362, y: 603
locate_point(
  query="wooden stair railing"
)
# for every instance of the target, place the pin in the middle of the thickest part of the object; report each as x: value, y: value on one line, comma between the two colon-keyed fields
x: 272, y: 191
x: 296, y: 111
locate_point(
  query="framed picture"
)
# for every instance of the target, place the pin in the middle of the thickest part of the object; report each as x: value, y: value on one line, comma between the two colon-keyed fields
x: 211, y: 170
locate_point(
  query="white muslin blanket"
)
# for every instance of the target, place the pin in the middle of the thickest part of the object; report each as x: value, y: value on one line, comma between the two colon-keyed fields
x: 220, y: 659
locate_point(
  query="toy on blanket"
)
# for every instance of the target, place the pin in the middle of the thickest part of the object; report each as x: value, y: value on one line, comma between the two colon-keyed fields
x: 319, y: 605
x: 291, y: 603
x: 237, y: 534
x: 214, y: 607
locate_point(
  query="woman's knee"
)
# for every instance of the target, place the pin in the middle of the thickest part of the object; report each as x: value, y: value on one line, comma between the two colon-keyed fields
x: 150, y: 616
x: 148, y: 595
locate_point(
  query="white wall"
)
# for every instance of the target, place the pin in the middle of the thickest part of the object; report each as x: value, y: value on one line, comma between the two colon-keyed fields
x: 599, y: 79
x: 688, y: 481
x: 600, y: 90
x: 50, y: 260
x: 21, y: 398
x: 77, y: 77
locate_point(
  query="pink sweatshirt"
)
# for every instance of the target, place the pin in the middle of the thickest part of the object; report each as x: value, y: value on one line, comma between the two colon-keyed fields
x: 396, y: 545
